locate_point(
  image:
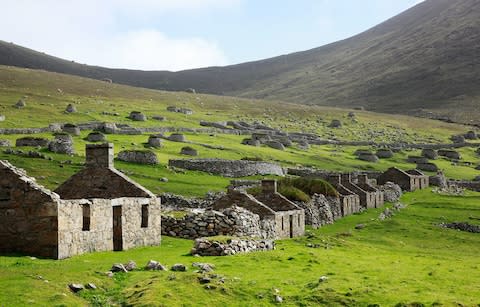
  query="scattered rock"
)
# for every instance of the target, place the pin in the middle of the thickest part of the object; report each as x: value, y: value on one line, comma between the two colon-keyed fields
x: 159, y: 118
x: 164, y: 179
x: 179, y: 268
x: 204, y: 280
x: 462, y: 226
x: 360, y: 226
x: 5, y: 143
x: 204, y: 267
x: 322, y: 279
x: 392, y: 192
x: 118, y: 267
x: 130, y: 266
x: 91, y: 286
x: 278, y: 299
x: 368, y: 157
x: 75, y: 287
x: 155, y: 265
x: 2, y: 117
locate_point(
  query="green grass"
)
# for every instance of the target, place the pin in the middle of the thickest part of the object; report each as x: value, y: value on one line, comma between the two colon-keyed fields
x: 405, y: 259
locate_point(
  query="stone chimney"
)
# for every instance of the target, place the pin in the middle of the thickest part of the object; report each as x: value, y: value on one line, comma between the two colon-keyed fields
x: 99, y: 155
x: 269, y: 186
x: 363, y: 179
x: 346, y: 177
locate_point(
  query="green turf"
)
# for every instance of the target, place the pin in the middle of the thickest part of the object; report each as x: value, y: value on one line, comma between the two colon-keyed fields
x: 406, y: 259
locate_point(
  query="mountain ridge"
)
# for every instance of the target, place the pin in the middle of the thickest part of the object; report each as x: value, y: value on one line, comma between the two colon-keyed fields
x: 425, y: 59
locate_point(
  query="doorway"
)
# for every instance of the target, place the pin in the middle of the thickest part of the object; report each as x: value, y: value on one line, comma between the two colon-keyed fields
x: 291, y: 226
x: 117, y: 228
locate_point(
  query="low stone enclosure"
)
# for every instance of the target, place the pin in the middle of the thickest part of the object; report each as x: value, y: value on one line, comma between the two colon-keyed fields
x: 97, y: 209
x: 268, y: 215
x: 229, y: 168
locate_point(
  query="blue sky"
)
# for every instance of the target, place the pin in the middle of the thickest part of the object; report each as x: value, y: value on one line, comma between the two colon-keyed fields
x: 182, y: 34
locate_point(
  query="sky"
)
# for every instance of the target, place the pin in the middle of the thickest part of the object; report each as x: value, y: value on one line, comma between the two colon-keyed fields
x: 184, y: 34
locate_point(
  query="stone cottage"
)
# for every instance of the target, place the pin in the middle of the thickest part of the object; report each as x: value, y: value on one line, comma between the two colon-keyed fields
x: 279, y: 217
x: 369, y: 196
x: 407, y: 180
x: 97, y: 209
x: 349, y: 200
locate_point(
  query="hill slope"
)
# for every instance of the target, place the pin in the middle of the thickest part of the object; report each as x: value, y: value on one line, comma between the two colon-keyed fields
x: 425, y: 58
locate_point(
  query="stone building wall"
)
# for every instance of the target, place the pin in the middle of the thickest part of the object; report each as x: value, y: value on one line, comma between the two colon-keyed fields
x: 28, y: 214
x: 229, y: 168
x: 73, y: 240
x: 233, y: 221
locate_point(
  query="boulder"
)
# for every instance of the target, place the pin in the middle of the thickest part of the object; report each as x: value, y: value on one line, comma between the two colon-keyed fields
x: 384, y: 153
x: 335, y: 124
x: 251, y: 142
x: 369, y: 157
x: 96, y: 137
x: 438, y: 180
x: 429, y: 153
x: 138, y: 156
x: 428, y: 167
x: 155, y: 141
x: 178, y: 267
x: 32, y: 141
x: 261, y: 137
x: 118, y: 267
x: 189, y: 151
x: 71, y: 128
x: 359, y: 152
x: 391, y: 191
x: 2, y: 117
x: 275, y: 145
x: 137, y: 116
x: 71, y: 108
x: 177, y: 137
x: 75, y: 287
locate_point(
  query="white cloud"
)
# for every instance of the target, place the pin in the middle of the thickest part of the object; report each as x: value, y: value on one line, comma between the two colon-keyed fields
x: 88, y: 32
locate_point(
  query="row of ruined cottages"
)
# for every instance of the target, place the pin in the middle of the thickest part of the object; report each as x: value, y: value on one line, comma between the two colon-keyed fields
x: 101, y: 209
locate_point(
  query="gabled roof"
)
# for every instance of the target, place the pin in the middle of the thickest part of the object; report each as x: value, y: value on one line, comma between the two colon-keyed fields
x: 106, y: 183
x: 17, y: 174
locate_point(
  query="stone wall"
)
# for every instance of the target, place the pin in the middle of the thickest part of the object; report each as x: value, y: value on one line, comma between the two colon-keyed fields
x: 469, y: 185
x: 72, y: 240
x: 178, y: 202
x: 229, y: 168
x: 234, y: 221
x: 207, y: 247
x: 28, y: 214
x: 138, y: 156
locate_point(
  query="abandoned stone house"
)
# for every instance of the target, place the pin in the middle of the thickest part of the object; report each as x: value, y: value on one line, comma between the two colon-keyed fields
x: 369, y: 196
x: 408, y: 180
x: 97, y: 209
x: 279, y: 217
x: 349, y: 200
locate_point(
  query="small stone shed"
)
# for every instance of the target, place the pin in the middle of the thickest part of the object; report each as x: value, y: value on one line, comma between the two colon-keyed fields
x: 97, y: 209
x: 279, y: 217
x: 407, y: 180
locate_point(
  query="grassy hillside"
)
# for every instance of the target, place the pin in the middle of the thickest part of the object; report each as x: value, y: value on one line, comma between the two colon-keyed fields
x: 423, y: 60
x: 404, y: 261
x: 47, y: 95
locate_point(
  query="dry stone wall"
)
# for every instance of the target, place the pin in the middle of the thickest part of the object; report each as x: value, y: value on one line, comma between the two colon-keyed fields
x: 207, y: 247
x: 229, y: 168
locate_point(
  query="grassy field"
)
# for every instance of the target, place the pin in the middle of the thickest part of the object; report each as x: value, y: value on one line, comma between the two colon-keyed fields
x: 407, y: 260
x: 47, y: 95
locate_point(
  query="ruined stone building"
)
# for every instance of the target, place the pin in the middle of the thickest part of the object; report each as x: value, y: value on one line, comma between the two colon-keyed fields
x: 407, y: 180
x: 369, y: 196
x: 349, y: 200
x: 97, y: 209
x: 279, y: 217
